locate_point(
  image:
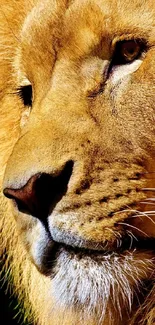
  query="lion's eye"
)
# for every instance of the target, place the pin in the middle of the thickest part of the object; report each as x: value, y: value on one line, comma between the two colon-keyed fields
x: 127, y: 51
x: 25, y: 93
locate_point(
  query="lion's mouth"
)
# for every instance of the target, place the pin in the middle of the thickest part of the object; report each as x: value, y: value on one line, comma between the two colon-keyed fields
x: 145, y: 244
x: 93, y: 251
x: 62, y: 222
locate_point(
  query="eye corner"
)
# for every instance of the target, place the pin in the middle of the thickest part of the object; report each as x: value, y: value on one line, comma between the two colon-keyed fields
x: 25, y: 93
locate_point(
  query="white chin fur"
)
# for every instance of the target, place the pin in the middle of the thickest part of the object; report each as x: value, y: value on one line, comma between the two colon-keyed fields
x: 92, y: 284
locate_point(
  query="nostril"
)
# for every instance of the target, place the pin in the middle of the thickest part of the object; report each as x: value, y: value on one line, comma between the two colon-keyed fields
x: 41, y: 193
x: 25, y: 197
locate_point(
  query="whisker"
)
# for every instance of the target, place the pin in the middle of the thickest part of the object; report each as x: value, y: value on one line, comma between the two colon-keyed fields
x: 131, y: 226
x: 151, y: 212
x: 129, y: 232
x: 148, y: 203
x: 139, y: 214
x: 131, y: 239
x: 151, y: 189
x: 144, y: 215
x: 125, y: 210
x: 150, y: 199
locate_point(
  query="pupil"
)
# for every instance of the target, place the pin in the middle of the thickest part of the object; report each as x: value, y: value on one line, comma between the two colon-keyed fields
x: 131, y: 49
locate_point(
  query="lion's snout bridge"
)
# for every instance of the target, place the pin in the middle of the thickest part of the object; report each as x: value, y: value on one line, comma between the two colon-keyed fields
x: 41, y: 192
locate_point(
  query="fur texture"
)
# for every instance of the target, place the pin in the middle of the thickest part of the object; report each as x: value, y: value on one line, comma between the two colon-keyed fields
x: 78, y: 237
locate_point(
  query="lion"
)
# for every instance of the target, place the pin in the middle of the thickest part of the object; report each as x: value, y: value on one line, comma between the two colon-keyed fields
x: 77, y: 144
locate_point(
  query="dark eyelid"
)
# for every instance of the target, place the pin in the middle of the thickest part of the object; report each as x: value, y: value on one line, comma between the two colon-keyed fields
x: 25, y: 94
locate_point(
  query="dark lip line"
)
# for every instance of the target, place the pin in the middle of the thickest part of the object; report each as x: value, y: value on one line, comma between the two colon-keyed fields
x: 147, y: 244
x: 49, y: 260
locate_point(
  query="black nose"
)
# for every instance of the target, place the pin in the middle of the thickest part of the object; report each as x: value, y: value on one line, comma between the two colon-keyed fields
x: 41, y: 193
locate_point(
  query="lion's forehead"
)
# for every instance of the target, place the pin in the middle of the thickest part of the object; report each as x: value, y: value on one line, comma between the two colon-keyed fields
x: 92, y: 21
x: 79, y: 36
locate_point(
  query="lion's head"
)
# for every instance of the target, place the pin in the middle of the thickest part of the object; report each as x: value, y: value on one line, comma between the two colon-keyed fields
x: 80, y: 92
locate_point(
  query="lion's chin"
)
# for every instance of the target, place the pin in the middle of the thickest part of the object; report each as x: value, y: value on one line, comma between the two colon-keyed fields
x: 92, y: 281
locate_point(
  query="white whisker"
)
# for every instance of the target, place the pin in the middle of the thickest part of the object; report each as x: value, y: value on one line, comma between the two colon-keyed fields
x: 148, y: 189
x: 147, y: 203
x: 142, y: 215
x: 128, y: 231
x: 131, y: 241
x: 150, y: 199
x: 132, y: 237
x: 128, y: 225
x: 125, y: 210
x: 145, y: 212
x: 152, y: 213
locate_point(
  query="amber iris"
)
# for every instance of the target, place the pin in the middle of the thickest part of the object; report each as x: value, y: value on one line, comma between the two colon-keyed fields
x: 130, y: 50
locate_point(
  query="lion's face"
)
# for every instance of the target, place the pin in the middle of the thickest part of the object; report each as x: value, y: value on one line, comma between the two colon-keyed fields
x: 81, y: 173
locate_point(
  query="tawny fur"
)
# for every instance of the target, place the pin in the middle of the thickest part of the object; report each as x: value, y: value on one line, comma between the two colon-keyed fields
x: 61, y: 46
